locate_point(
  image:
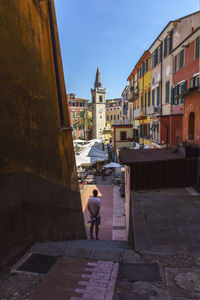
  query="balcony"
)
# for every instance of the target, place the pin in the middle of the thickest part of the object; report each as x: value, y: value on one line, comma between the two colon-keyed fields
x: 136, y: 113
x: 130, y: 95
x: 122, y: 122
x: 150, y: 110
x: 157, y: 110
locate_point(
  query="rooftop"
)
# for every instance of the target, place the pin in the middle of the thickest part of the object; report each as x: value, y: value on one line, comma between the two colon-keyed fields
x: 132, y: 156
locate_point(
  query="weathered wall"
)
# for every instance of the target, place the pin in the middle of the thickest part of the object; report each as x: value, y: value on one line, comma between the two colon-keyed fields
x: 31, y: 137
x: 164, y: 174
x: 191, y: 104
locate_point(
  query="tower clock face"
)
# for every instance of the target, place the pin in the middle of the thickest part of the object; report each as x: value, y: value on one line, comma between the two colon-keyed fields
x: 100, y: 111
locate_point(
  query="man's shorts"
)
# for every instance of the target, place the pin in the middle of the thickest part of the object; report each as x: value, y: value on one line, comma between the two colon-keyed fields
x: 96, y: 221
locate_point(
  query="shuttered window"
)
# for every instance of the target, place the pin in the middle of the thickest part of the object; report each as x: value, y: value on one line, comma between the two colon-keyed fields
x: 149, y: 102
x: 175, y: 63
x: 181, y: 59
x: 158, y: 95
x: 167, y: 92
x: 165, y: 47
x: 153, y: 97
x: 197, y: 45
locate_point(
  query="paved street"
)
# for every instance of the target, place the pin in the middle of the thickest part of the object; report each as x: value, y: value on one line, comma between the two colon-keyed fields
x: 164, y: 266
x: 105, y: 194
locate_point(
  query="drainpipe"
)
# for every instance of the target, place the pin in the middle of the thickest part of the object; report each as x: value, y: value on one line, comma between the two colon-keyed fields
x: 161, y: 73
x: 56, y: 67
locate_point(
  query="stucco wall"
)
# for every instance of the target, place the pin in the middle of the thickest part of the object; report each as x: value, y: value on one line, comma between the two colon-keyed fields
x: 32, y: 140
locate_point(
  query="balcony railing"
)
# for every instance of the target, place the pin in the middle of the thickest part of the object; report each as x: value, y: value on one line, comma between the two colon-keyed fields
x: 150, y: 110
x: 136, y: 113
x: 157, y: 110
x: 122, y: 122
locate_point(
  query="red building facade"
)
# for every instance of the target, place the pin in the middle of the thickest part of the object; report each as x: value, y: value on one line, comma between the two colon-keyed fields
x: 75, y: 106
x: 185, y: 90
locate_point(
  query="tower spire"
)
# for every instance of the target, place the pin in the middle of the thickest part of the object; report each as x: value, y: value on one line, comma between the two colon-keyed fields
x: 98, y: 83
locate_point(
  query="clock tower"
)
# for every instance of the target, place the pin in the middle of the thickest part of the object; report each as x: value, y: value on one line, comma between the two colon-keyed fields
x: 98, y: 107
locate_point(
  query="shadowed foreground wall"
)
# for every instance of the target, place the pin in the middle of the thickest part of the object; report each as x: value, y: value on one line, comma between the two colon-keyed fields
x: 39, y: 196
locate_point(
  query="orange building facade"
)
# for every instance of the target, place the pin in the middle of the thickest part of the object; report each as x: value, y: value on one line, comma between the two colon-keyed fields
x: 76, y: 106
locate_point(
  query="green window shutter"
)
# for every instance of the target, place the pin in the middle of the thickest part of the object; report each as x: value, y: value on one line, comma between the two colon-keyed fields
x: 149, y: 100
x: 181, y: 59
x: 153, y: 97
x: 167, y: 92
x: 197, y: 45
x: 172, y: 96
x: 142, y: 102
x: 158, y: 95
x: 175, y: 63
x: 165, y: 47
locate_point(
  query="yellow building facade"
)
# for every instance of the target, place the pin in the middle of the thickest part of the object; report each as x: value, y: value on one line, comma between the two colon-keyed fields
x: 144, y: 99
x: 114, y: 110
x: 122, y: 137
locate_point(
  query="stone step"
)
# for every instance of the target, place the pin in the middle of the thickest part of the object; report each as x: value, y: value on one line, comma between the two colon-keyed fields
x: 100, y: 244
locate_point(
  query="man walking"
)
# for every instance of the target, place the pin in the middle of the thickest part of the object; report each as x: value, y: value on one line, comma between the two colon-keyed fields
x: 93, y: 206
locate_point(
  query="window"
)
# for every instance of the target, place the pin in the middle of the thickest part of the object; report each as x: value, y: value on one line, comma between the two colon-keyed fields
x: 146, y: 66
x: 122, y: 135
x: 107, y: 118
x: 118, y: 117
x: 197, y: 44
x: 165, y: 47
x: 167, y: 92
x: 175, y: 63
x: 153, y: 97
x: 158, y: 95
x: 114, y: 117
x: 155, y: 57
x: 100, y: 99
x: 145, y: 101
x: 141, y: 102
x: 181, y: 59
x: 73, y: 104
x: 149, y: 100
x: 80, y: 104
x: 111, y: 117
x: 73, y: 114
x: 140, y: 71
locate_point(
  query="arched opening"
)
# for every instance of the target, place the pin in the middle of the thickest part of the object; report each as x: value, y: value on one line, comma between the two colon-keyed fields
x: 100, y: 99
x: 191, y: 126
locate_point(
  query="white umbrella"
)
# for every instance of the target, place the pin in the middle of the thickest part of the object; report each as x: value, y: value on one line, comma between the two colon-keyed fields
x: 83, y: 161
x: 112, y: 165
x: 79, y: 141
x: 92, y: 151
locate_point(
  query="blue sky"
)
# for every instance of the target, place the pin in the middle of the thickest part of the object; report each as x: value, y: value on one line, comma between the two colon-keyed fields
x: 111, y: 34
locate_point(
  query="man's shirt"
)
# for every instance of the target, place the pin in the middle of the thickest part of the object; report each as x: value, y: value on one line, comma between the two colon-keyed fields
x: 94, y: 203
